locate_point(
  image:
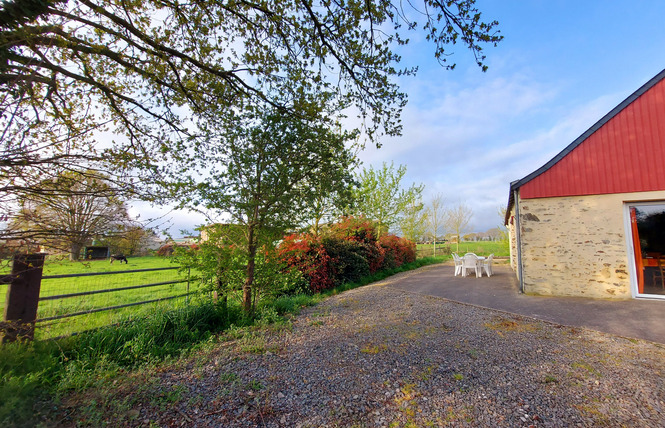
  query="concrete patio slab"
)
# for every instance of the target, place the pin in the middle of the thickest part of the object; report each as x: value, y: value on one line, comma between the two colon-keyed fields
x: 635, y: 318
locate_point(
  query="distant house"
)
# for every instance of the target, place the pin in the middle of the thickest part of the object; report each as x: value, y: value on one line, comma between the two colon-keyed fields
x: 591, y: 221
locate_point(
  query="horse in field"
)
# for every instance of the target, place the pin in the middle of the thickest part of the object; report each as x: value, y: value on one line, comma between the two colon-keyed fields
x: 121, y: 258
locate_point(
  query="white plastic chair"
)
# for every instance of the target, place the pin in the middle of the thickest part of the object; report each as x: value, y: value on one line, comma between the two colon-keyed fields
x: 487, y: 265
x: 458, y: 264
x: 470, y: 261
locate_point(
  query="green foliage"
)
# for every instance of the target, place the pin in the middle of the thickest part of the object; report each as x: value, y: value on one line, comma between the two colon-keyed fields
x: 267, y: 168
x: 274, y: 278
x: 413, y: 223
x: 349, y: 261
x: 293, y: 304
x: 380, y: 196
x: 164, y: 334
x: 30, y: 370
x: 221, y: 265
x: 143, y: 69
x: 130, y: 241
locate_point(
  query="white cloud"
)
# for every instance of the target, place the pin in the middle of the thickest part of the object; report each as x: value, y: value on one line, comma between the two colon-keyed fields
x: 469, y: 144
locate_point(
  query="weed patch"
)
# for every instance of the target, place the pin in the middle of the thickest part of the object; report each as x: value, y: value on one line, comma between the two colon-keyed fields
x: 513, y: 325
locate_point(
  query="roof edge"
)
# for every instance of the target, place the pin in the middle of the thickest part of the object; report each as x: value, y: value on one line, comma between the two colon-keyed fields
x: 579, y: 140
x: 511, y: 202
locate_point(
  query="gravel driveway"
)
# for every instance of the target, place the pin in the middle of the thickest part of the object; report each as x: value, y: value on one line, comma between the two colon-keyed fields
x: 377, y: 356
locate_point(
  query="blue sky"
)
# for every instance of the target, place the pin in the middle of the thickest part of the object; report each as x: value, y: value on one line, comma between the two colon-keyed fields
x: 563, y: 64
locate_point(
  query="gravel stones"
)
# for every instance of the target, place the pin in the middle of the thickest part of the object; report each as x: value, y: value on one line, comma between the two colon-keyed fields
x: 379, y: 357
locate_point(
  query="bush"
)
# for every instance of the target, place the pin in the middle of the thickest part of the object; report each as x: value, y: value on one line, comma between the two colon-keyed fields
x: 397, y: 251
x: 348, y: 259
x: 357, y: 229
x: 275, y: 278
x: 167, y: 250
x: 306, y: 253
x: 362, y: 231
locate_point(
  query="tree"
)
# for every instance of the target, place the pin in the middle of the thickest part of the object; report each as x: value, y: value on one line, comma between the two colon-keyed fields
x: 380, y: 196
x: 149, y: 71
x: 130, y: 240
x: 436, y: 217
x: 503, y: 230
x: 494, y: 234
x: 331, y: 191
x: 70, y: 212
x: 414, y: 221
x: 458, y: 219
x: 264, y: 173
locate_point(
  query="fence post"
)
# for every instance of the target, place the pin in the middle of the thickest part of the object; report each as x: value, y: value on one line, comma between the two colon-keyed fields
x: 189, y: 273
x: 22, y: 298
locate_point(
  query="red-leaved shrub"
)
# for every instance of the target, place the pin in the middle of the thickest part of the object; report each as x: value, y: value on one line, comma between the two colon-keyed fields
x: 397, y: 251
x: 306, y: 253
x: 363, y: 231
x: 357, y: 229
x: 167, y: 250
x: 349, y: 251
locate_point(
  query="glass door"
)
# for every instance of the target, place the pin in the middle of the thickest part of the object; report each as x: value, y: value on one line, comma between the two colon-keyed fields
x: 647, y: 225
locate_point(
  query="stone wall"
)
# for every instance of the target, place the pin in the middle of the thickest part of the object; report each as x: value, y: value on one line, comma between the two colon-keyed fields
x: 576, y: 246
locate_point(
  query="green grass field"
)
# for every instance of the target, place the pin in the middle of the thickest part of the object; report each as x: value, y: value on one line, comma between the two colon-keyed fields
x: 60, y: 286
x: 481, y: 248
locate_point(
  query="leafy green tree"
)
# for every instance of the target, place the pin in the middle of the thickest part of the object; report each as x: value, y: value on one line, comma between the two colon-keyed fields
x: 130, y: 240
x: 332, y: 194
x: 414, y: 221
x: 380, y: 195
x: 69, y: 212
x: 149, y: 72
x: 264, y: 173
x: 219, y: 264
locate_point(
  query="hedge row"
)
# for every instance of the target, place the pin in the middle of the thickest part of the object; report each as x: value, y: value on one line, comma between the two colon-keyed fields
x: 348, y: 251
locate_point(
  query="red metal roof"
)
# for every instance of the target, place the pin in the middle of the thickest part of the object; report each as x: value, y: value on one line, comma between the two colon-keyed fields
x: 624, y: 152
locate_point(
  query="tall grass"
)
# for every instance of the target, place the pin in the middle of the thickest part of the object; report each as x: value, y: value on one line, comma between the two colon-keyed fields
x: 41, y: 371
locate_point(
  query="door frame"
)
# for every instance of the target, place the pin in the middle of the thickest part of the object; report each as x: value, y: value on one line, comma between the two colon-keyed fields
x: 630, y: 249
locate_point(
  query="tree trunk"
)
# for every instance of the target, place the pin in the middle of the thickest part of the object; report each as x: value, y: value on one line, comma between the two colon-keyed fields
x: 224, y: 303
x: 249, y: 279
x: 75, y: 252
x: 316, y: 225
x: 220, y: 289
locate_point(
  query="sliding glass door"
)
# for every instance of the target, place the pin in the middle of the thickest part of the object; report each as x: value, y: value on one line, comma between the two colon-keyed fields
x: 647, y: 225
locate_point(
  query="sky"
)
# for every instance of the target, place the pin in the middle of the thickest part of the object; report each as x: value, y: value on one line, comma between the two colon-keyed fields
x: 563, y: 64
